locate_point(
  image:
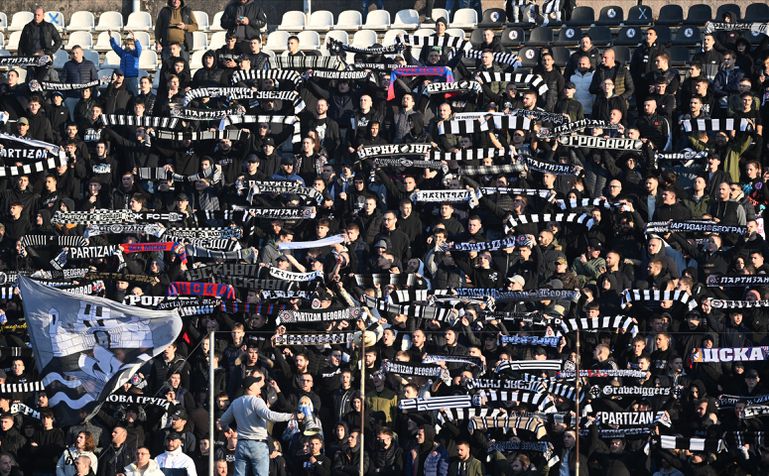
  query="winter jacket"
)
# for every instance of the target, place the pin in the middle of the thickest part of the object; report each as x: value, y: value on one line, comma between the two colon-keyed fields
x: 129, y: 59
x: 152, y: 470
x: 257, y: 19
x: 50, y: 38
x: 582, y: 82
x: 163, y: 24
x: 623, y: 82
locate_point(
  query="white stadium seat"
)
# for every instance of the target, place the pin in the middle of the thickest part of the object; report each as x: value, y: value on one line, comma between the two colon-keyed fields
x: 406, y: 19
x: 349, y: 20
x: 139, y: 21
x: 81, y: 21
x: 81, y: 38
x: 19, y: 19
x: 378, y: 20
x: 202, y: 18
x: 322, y: 20
x: 56, y: 19
x: 293, y: 20
x: 466, y: 18
x: 110, y: 21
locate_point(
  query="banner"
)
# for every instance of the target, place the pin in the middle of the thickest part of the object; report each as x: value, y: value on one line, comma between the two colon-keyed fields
x: 86, y: 347
x: 593, y: 142
x: 729, y: 354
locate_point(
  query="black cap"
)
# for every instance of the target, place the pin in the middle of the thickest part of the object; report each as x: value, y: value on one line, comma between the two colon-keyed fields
x: 571, y: 85
x: 287, y: 161
x: 269, y: 141
x: 248, y: 381
x: 182, y: 197
x: 253, y: 158
x: 181, y: 414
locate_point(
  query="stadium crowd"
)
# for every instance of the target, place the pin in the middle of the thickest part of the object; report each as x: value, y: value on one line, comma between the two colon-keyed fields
x: 483, y: 265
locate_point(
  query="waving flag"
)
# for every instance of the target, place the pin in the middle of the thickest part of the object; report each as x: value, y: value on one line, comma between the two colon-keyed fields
x: 88, y: 347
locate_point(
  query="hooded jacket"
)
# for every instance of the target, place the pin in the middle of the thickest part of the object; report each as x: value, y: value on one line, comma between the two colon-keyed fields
x: 164, y: 21
x: 208, y: 77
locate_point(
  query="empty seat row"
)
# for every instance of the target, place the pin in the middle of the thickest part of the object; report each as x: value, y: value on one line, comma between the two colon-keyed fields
x: 377, y: 20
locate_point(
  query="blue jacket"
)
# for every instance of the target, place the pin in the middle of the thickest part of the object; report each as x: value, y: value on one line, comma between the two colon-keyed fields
x: 129, y: 60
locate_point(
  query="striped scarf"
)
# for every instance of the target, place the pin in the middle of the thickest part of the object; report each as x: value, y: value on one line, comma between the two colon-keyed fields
x: 413, y: 311
x: 532, y: 81
x: 259, y: 75
x: 229, y: 134
x: 308, y: 62
x: 575, y: 218
x: 33, y: 168
x: 337, y: 338
x: 303, y: 317
x: 52, y: 240
x: 715, y: 125
x: 143, y: 121
x: 532, y: 424
x: 526, y: 365
x: 469, y: 154
x: 231, y: 93
x: 551, y: 168
x: 290, y: 121
x: 632, y: 296
x: 628, y: 324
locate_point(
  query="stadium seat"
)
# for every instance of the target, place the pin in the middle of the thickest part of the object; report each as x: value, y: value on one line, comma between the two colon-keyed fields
x: 364, y: 38
x: 391, y: 35
x: 148, y: 60
x: 639, y: 15
x: 102, y: 41
x: 59, y: 58
x: 82, y: 38
x: 629, y: 36
x: 202, y: 18
x: 664, y: 36
x: 687, y: 36
x: 581, y: 16
x: 338, y: 35
x: 293, y: 20
x: 105, y: 73
x: 465, y: 18
x: 199, y: 40
x: 540, y: 36
x: 671, y: 14
x: 476, y: 38
x: 568, y: 36
x: 2, y: 40
x: 110, y: 21
x: 3, y: 21
x: 218, y: 39
x: 440, y: 13
x: 406, y: 19
x: 322, y: 20
x: 757, y: 12
x: 458, y: 32
x: 92, y: 56
x: 19, y: 19
x: 216, y: 23
x: 560, y: 56
x: 377, y: 20
x: 81, y: 21
x: 494, y: 18
x: 622, y: 54
x: 111, y: 60
x: 512, y: 38
x: 277, y: 40
x: 732, y: 8
x: 679, y: 56
x: 144, y: 38
x: 56, y: 19
x: 424, y: 32
x: 349, y: 20
x: 698, y: 14
x: 196, y: 59
x: 611, y: 15
x: 139, y: 21
x: 309, y: 40
x: 601, y: 36
x: 529, y: 57
x: 13, y: 41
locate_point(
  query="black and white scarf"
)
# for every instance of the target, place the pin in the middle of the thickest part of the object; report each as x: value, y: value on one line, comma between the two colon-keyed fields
x: 468, y: 154
x: 390, y: 150
x: 693, y: 226
x: 632, y: 296
x: 380, y: 163
x: 336, y: 47
x: 151, y: 229
x: 229, y: 134
x: 583, y: 219
x: 35, y: 85
x: 754, y: 411
x: 576, y: 126
x: 493, y: 245
x: 551, y: 168
x: 710, y: 445
x: 534, y: 295
x: 534, y: 318
x: 684, y: 155
x: 414, y: 311
x: 715, y: 125
x: 755, y: 27
x: 594, y: 142
x: 24, y: 61
x: 107, y: 217
x: 443, y: 196
x: 211, y: 233
x: 729, y: 401
x: 547, y: 194
x: 533, y: 341
x: 143, y: 121
x: 337, y: 338
x: 301, y: 213
x: 532, y: 81
x: 302, y: 317
x: 586, y: 203
x: 28, y: 387
x: 608, y: 373
x: 294, y: 276
x: 414, y: 370
x: 499, y: 57
x: 282, y: 187
x: 52, y: 240
x: 303, y: 245
x: 427, y: 404
x: 384, y: 279
x: 195, y: 114
x: 738, y: 281
x: 527, y: 365
x: 540, y: 400
x: 169, y: 302
x: 53, y: 150
x: 308, y: 62
x: 495, y: 122
x: 288, y: 121
x: 734, y: 304
x: 463, y: 86
x: 247, y: 254
x: 628, y: 324
x: 532, y: 424
x: 201, y: 273
x: 472, y: 170
x: 729, y: 354
x: 232, y: 93
x: 460, y: 359
x: 351, y: 75
x: 539, y: 115
x: 261, y: 74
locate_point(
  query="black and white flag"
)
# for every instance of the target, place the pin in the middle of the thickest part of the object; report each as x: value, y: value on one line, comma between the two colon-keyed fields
x: 88, y: 347
x: 632, y: 296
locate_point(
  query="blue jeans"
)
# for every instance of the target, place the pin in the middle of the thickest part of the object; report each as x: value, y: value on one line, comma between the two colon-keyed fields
x: 132, y: 85
x: 254, y: 454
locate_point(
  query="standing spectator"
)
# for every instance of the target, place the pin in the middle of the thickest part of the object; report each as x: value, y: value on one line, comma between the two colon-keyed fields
x: 118, y: 455
x: 581, y: 78
x: 245, y: 19
x: 642, y: 62
x: 84, y: 445
x: 174, y: 458
x: 175, y: 24
x: 129, y: 59
x: 77, y: 70
x: 39, y: 38
x: 144, y: 465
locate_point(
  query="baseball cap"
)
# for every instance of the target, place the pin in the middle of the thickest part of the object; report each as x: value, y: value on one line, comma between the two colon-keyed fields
x: 518, y: 279
x: 570, y: 85
x: 269, y: 141
x: 118, y: 72
x: 180, y: 414
x: 287, y: 161
x: 248, y: 381
x: 24, y: 120
x: 253, y: 158
x: 380, y: 244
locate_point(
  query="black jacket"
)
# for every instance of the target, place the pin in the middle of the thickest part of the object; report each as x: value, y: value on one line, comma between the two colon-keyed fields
x: 46, y: 32
x: 257, y: 19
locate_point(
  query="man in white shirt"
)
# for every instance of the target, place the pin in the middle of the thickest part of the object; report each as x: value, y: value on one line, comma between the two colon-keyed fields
x: 173, y: 461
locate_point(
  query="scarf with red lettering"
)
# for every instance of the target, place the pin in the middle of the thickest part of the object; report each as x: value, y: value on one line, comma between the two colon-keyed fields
x: 187, y: 288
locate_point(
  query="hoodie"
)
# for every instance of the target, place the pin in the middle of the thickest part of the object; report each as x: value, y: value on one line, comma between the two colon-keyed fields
x: 205, y: 76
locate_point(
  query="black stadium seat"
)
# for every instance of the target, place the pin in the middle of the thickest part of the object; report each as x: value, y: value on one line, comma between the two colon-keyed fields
x: 568, y: 36
x: 561, y: 56
x: 698, y: 14
x: 494, y: 18
x: 611, y: 15
x: 687, y: 36
x: 679, y: 56
x: 629, y: 36
x: 664, y: 36
x: 601, y: 36
x: 671, y: 15
x: 512, y: 38
x: 730, y: 8
x: 639, y: 15
x: 581, y: 16
x: 540, y: 36
x: 622, y: 54
x: 529, y: 57
x: 757, y: 12
x: 476, y: 37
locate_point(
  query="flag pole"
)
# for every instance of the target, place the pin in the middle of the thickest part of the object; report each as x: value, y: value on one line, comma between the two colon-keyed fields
x: 576, y: 422
x: 362, y: 396
x: 211, y: 402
